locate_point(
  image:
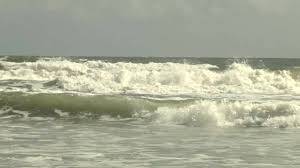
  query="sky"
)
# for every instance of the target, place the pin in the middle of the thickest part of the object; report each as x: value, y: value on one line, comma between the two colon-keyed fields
x: 180, y: 28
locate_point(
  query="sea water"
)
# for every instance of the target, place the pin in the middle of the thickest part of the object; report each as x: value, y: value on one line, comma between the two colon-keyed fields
x: 149, y: 112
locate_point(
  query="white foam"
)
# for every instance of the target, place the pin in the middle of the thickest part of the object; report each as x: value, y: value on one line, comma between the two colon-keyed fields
x: 153, y: 78
x: 228, y: 113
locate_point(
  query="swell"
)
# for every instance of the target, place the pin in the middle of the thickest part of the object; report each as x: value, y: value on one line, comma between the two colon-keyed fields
x: 197, y: 112
x: 100, y: 77
x: 48, y: 104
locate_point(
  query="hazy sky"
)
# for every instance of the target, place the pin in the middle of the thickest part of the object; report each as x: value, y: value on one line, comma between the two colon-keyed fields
x: 201, y: 28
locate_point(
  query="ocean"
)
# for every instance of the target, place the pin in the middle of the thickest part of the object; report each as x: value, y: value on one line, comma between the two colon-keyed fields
x: 144, y: 112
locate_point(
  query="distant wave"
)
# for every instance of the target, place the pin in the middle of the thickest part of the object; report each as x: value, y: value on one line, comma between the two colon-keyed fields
x: 98, y: 77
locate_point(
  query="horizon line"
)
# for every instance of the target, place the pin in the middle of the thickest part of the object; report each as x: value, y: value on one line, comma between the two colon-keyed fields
x: 115, y: 56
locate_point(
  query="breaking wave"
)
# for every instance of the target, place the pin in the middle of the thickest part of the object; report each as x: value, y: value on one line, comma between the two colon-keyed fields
x: 200, y: 112
x: 160, y: 93
x: 99, y: 77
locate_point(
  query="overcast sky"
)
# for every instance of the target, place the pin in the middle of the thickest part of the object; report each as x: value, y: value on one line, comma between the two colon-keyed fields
x: 199, y: 28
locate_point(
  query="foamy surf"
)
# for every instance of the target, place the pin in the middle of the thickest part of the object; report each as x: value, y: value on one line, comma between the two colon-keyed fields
x: 99, y: 77
x: 191, y: 94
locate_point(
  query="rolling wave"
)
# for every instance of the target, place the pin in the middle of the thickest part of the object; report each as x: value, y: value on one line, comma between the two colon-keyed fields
x: 197, y: 112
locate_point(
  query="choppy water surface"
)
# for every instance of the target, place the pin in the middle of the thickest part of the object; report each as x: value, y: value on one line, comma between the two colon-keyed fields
x: 149, y: 112
x: 59, y: 143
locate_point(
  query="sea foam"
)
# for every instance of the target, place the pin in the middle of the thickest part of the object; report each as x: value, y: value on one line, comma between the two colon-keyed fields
x: 101, y: 77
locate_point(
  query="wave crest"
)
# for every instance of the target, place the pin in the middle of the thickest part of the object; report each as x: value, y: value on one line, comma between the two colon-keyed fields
x: 100, y: 77
x: 225, y: 113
